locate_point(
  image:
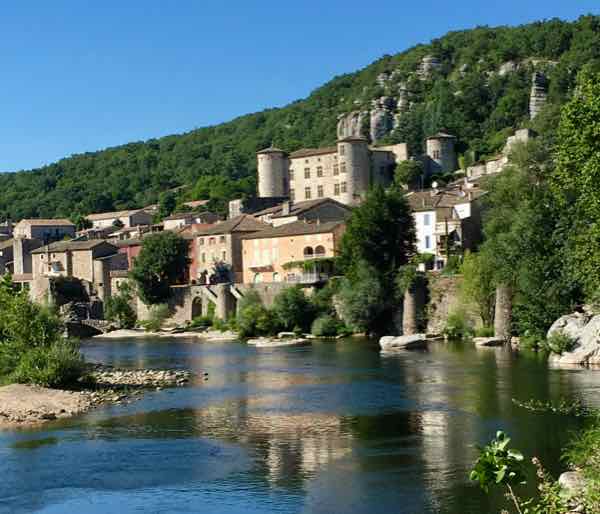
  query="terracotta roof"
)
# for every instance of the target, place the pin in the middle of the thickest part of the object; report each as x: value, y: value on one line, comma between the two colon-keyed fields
x: 127, y: 242
x: 307, y: 152
x: 73, y: 246
x: 58, y: 222
x: 297, y: 228
x: 298, y: 208
x: 242, y: 223
x: 429, y: 201
x: 271, y: 149
x: 110, y: 215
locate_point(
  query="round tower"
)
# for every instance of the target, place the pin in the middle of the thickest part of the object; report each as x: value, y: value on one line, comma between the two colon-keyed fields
x: 355, y: 169
x: 273, y: 173
x: 440, y: 150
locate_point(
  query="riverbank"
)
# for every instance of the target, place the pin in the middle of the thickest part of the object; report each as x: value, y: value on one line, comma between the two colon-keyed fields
x: 203, y: 336
x: 24, y: 405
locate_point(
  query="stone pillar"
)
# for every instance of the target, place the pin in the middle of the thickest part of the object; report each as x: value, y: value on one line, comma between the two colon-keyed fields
x: 503, y: 312
x: 224, y: 305
x: 409, y: 312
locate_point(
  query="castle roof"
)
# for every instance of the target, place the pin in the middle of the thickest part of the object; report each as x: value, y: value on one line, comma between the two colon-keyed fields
x: 271, y: 149
x: 307, y: 152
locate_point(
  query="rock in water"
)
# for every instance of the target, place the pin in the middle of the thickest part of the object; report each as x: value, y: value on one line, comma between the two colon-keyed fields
x: 403, y: 342
x: 489, y: 341
x: 584, y: 329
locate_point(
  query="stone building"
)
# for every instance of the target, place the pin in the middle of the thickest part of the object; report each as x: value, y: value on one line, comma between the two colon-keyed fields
x: 343, y: 172
x: 278, y: 253
x: 322, y: 209
x: 182, y: 219
x: 220, y: 246
x: 44, y: 229
x: 126, y: 219
x: 441, y: 156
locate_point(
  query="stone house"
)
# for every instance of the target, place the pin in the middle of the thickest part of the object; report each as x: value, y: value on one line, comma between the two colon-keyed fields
x: 46, y: 230
x: 322, y: 209
x: 221, y: 245
x: 15, y: 258
x: 182, y: 219
x: 447, y: 220
x: 279, y: 254
x: 131, y: 218
x: 89, y: 261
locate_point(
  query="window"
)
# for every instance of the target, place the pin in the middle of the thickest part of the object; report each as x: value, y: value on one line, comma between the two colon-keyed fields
x: 427, y: 219
x: 436, y: 154
x: 427, y: 242
x: 222, y: 239
x: 203, y: 257
x: 306, y: 161
x: 344, y: 189
x: 223, y: 255
x: 342, y: 149
x: 291, y: 175
x: 336, y: 189
x: 319, y: 171
x: 212, y: 241
x: 343, y: 167
x: 306, y: 172
x: 320, y: 251
x: 320, y: 191
x: 308, y: 252
x: 307, y: 193
x: 336, y: 169
x: 292, y: 195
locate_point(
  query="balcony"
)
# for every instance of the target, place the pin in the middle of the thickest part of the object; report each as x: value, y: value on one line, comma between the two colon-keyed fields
x: 307, y: 278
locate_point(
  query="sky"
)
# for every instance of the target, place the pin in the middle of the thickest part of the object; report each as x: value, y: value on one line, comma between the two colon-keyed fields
x: 83, y: 75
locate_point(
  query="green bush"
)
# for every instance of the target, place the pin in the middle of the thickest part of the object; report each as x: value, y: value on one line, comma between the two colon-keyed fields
x: 559, y: 342
x: 157, y: 316
x: 57, y: 365
x: 253, y: 318
x: 458, y: 326
x: 484, y: 332
x: 201, y: 322
x: 221, y: 325
x: 118, y: 309
x: 325, y: 326
x: 293, y: 310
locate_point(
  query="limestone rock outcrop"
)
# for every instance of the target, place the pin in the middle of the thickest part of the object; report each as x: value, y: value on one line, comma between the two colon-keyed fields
x: 350, y: 124
x: 428, y: 65
x: 381, y: 117
x: 584, y: 329
x: 539, y: 93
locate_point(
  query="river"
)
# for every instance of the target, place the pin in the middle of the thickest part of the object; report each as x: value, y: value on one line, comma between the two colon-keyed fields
x: 328, y: 428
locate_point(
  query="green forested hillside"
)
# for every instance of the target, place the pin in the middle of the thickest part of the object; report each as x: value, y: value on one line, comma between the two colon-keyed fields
x: 466, y: 96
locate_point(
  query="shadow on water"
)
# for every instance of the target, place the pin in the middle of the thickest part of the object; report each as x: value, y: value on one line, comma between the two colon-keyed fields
x: 334, y: 427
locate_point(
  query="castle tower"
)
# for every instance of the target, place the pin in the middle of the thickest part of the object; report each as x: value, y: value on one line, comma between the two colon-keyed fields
x: 273, y: 173
x: 355, y: 168
x: 441, y: 153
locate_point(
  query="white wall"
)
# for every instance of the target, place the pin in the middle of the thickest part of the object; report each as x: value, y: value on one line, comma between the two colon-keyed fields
x: 425, y: 228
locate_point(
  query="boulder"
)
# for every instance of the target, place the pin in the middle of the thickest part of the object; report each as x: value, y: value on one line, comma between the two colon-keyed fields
x: 489, y: 341
x: 403, y: 342
x: 584, y: 329
x: 572, y: 482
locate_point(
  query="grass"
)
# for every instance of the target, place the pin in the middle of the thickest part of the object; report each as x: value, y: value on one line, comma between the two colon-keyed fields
x: 584, y: 453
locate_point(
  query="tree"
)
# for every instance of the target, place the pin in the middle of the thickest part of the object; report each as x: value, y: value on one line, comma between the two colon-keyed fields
x: 408, y: 173
x: 576, y: 180
x: 166, y: 205
x: 162, y: 262
x: 478, y: 284
x: 379, y: 233
x: 118, y: 307
x: 81, y: 222
x: 293, y: 310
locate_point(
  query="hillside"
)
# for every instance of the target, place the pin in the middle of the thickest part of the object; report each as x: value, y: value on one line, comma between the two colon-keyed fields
x: 476, y: 85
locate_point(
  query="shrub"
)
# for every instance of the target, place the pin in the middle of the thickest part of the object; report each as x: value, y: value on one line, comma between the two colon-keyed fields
x: 253, y: 318
x: 118, y: 307
x: 220, y: 324
x: 484, y: 332
x: 325, y: 326
x: 458, y: 326
x: 559, y: 342
x: 293, y: 310
x: 201, y: 322
x: 57, y: 365
x: 157, y: 316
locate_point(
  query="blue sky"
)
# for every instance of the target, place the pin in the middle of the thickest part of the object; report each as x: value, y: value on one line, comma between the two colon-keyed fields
x: 83, y: 75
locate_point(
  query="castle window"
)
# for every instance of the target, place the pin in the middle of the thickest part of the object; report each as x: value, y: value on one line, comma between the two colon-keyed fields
x: 336, y: 169
x: 307, y: 193
x: 292, y: 195
x: 344, y: 187
x: 222, y: 239
x: 320, y: 191
x: 306, y: 172
x: 319, y: 171
x: 336, y: 189
x: 342, y: 149
x: 343, y: 167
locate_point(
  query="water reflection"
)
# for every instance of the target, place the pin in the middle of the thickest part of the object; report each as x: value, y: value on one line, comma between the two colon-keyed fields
x: 335, y: 427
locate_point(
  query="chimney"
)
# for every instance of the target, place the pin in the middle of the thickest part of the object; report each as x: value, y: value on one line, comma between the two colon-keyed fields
x: 286, y: 207
x: 470, y: 195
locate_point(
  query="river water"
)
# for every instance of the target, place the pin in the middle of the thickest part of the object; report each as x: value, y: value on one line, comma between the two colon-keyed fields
x: 327, y: 428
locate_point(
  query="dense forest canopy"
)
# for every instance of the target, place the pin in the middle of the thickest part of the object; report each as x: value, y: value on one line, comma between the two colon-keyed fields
x: 466, y: 96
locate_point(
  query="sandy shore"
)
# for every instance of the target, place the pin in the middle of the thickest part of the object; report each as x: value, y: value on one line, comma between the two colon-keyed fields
x: 29, y: 405
x: 210, y: 335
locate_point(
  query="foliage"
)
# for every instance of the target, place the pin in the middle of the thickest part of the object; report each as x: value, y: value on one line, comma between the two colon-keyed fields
x: 408, y: 173
x: 468, y: 98
x: 327, y: 325
x: 484, y: 332
x: 458, y: 326
x: 559, y: 342
x: 576, y: 179
x: 477, y: 285
x: 118, y: 307
x: 291, y: 308
x: 167, y: 201
x: 32, y: 348
x: 68, y: 289
x: 452, y: 266
x: 158, y: 314
x: 162, y: 261
x: 253, y: 318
